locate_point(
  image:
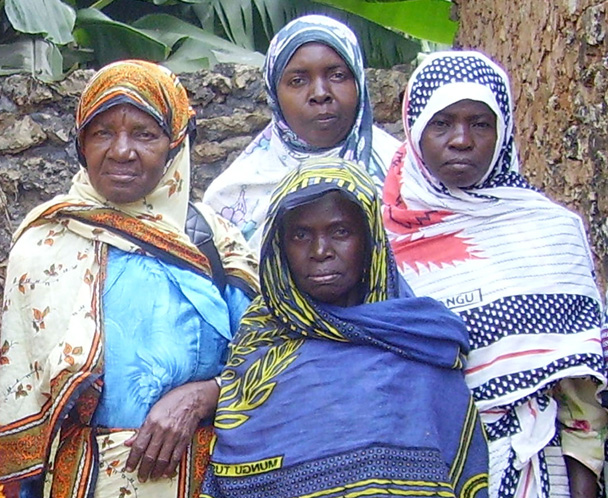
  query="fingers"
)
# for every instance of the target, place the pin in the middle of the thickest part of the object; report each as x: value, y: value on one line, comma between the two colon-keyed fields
x: 156, y: 454
x: 176, y: 457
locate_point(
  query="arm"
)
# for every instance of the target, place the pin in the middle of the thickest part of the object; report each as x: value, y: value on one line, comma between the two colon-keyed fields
x: 584, y: 425
x: 160, y: 443
x: 583, y: 482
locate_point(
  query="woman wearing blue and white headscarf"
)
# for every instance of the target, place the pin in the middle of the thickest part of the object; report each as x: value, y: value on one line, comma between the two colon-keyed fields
x: 318, y: 95
x: 467, y: 229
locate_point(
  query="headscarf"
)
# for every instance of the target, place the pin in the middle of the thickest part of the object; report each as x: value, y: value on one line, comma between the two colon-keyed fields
x: 357, y: 145
x: 52, y: 322
x: 150, y: 87
x: 513, y: 264
x: 242, y: 192
x: 313, y: 179
x: 443, y: 80
x: 299, y: 369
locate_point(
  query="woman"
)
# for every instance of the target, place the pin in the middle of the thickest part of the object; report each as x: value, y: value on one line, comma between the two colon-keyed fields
x: 320, y: 105
x: 467, y: 229
x: 336, y: 381
x: 113, y: 329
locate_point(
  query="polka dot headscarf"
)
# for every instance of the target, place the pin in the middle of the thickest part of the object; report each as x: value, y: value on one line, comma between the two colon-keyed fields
x: 445, y: 78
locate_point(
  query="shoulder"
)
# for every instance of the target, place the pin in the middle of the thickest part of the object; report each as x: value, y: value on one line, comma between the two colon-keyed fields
x: 233, y: 249
x: 384, y: 144
x: 219, y: 225
x: 378, y: 134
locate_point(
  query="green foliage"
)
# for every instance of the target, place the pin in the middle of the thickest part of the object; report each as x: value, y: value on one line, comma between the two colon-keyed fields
x: 426, y: 19
x: 48, y: 38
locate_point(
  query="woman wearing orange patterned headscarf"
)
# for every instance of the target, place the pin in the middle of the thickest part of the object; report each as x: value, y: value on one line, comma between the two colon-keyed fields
x: 113, y: 327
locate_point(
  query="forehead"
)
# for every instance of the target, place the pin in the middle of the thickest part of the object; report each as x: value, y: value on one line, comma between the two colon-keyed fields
x: 332, y: 207
x: 315, y: 55
x: 120, y: 113
x: 467, y: 107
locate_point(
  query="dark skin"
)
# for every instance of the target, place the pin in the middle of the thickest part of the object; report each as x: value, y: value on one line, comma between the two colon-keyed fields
x: 457, y: 146
x: 318, y: 95
x: 325, y: 244
x: 160, y: 442
x: 126, y: 152
x: 458, y: 142
x: 583, y: 483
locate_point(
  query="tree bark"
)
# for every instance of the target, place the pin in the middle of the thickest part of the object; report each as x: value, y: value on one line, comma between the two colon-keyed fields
x: 555, y: 54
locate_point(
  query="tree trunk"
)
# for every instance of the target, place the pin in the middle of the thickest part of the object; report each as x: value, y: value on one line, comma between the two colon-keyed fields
x: 555, y: 54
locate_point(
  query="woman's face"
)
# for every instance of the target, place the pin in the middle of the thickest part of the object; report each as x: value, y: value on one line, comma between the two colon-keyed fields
x: 126, y: 152
x: 318, y: 95
x: 325, y: 244
x: 458, y: 143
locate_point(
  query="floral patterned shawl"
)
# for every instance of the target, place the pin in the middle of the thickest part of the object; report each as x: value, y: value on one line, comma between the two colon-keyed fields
x: 242, y: 193
x: 52, y: 328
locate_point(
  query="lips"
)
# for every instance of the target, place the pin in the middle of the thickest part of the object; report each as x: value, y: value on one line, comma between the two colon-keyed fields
x: 325, y: 119
x: 120, y: 176
x: 458, y: 162
x: 325, y: 278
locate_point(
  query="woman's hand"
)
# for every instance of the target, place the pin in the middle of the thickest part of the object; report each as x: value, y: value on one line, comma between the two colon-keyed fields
x: 159, y: 444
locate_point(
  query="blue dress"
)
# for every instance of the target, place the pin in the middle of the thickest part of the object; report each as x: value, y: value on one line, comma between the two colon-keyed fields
x: 164, y: 326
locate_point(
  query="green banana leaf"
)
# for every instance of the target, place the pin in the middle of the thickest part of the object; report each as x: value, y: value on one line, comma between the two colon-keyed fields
x: 193, y: 43
x: 425, y: 19
x: 38, y: 57
x: 112, y: 40
x: 51, y: 18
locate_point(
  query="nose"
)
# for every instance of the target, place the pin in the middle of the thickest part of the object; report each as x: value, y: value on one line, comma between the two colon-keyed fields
x: 121, y: 148
x: 461, y: 137
x: 321, y: 248
x: 319, y: 91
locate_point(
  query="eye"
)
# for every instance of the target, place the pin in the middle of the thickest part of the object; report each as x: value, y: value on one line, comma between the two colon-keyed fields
x: 439, y: 123
x: 342, y: 232
x: 99, y: 133
x: 484, y: 125
x: 146, y: 134
x: 338, y: 76
x: 299, y: 234
x: 296, y: 81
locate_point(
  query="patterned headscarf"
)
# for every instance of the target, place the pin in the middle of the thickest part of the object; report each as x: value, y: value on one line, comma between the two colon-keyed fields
x: 320, y: 29
x: 445, y: 78
x: 150, y: 87
x: 313, y: 179
x: 513, y: 264
x: 161, y: 214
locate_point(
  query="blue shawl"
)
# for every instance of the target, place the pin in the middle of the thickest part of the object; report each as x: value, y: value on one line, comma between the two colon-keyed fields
x: 325, y: 401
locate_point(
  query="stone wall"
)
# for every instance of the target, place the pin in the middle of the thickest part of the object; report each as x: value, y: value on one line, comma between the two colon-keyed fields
x: 38, y: 158
x: 556, y: 55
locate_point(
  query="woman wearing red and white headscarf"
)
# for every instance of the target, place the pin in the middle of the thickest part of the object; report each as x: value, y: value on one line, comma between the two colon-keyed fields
x: 467, y: 228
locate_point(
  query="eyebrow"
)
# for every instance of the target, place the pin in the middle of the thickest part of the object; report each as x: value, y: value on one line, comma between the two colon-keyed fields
x: 478, y: 115
x: 296, y: 70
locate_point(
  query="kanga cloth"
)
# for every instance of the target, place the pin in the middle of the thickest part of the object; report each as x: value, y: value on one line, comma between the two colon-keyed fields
x: 242, y: 193
x: 324, y: 401
x: 53, y: 325
x: 518, y: 270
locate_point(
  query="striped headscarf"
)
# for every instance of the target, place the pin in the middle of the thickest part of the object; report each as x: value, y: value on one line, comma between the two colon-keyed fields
x: 150, y: 87
x: 314, y: 178
x: 321, y: 29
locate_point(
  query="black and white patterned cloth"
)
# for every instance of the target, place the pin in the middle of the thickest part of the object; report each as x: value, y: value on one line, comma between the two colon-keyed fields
x: 513, y: 264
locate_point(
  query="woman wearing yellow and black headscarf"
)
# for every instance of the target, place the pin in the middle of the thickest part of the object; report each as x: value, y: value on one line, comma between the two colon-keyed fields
x: 113, y: 327
x: 337, y: 377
